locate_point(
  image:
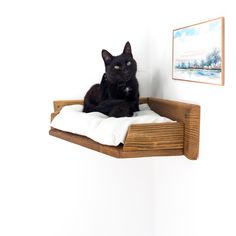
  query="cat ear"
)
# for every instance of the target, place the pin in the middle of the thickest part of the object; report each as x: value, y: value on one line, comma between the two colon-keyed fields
x: 127, y: 49
x: 107, y: 57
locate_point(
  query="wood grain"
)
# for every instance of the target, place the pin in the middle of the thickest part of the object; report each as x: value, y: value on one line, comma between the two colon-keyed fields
x: 61, y: 103
x: 162, y: 139
x: 117, y: 152
x: 153, y: 136
x: 187, y: 113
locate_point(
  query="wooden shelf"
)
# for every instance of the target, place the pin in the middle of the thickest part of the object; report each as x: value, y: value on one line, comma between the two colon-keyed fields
x: 144, y: 140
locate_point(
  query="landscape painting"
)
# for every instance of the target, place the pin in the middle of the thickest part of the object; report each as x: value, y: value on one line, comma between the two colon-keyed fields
x: 198, y: 52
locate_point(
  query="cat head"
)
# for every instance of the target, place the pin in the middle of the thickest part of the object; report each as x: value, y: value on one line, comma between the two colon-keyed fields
x: 120, y: 68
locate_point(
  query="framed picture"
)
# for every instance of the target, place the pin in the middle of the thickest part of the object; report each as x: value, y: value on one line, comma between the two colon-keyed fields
x: 198, y: 52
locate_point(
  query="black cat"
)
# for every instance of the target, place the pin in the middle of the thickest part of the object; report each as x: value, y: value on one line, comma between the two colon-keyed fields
x: 117, y: 95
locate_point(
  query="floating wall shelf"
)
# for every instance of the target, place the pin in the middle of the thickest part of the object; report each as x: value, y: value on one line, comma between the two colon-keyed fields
x: 153, y: 139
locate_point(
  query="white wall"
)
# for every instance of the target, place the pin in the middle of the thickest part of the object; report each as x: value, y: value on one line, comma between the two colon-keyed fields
x: 196, y: 198
x: 52, y: 50
x: 51, y: 187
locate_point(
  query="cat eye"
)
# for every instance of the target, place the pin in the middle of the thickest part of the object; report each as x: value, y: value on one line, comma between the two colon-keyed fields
x: 116, y: 67
x: 128, y: 63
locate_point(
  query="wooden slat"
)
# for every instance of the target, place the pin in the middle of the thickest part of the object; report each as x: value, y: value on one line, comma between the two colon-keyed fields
x: 187, y: 113
x: 85, y: 142
x: 117, y: 152
x: 53, y: 115
x: 153, y: 136
x: 151, y: 153
x: 171, y: 109
x: 61, y: 103
x: 164, y: 139
x: 192, y: 133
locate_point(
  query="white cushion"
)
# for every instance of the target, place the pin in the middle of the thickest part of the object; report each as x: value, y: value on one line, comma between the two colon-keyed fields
x: 101, y: 128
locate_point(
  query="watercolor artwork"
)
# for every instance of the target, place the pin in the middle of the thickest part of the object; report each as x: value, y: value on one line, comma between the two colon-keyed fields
x: 198, y: 52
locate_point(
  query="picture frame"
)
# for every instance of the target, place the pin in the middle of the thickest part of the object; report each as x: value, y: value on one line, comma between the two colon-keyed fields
x: 198, y: 52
